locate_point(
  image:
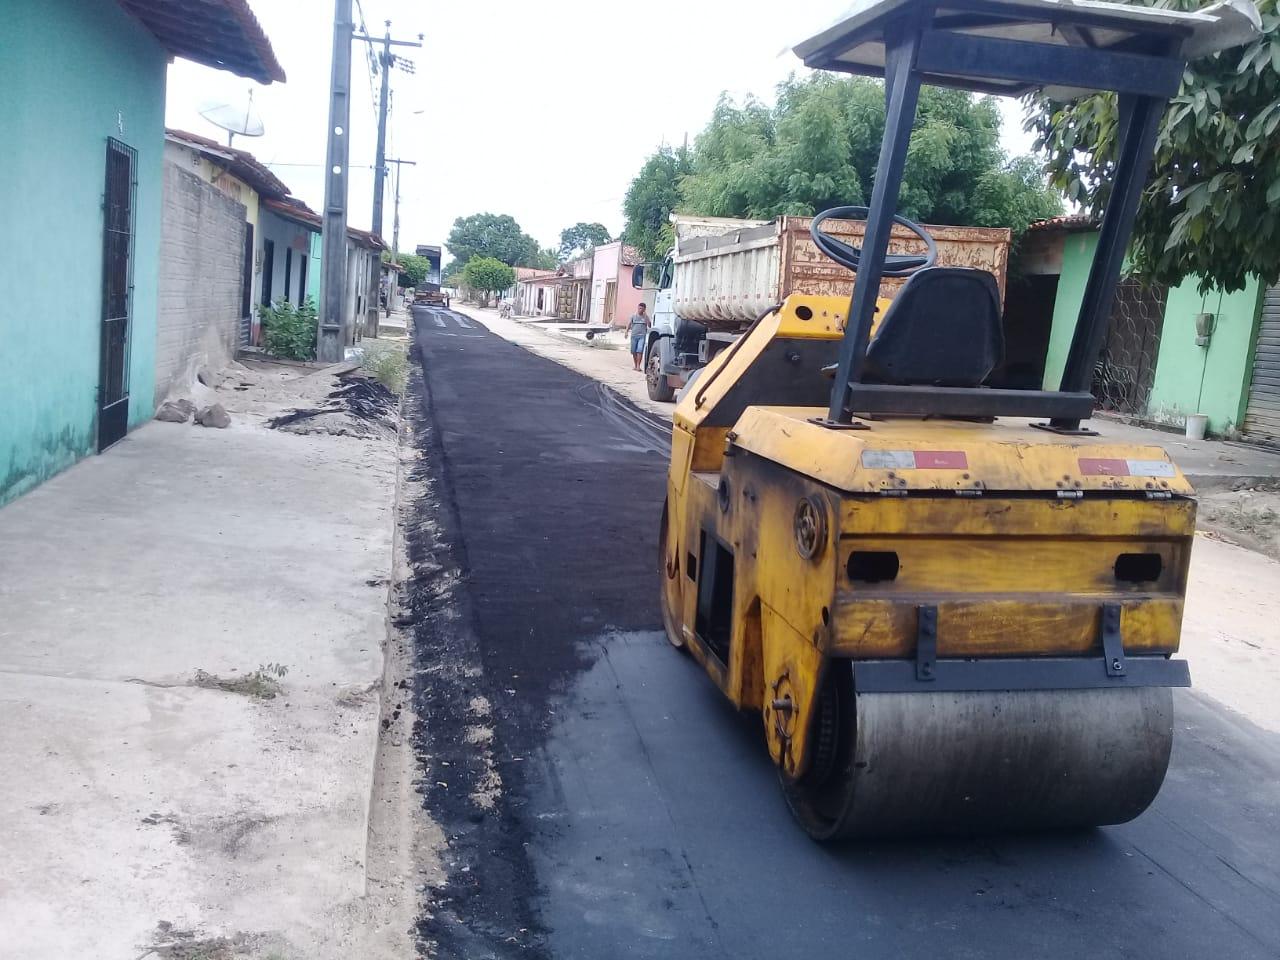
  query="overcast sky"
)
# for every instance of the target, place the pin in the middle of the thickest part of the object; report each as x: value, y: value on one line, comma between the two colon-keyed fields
x: 542, y: 111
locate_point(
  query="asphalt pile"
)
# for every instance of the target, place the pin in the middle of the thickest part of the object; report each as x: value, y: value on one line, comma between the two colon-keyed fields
x: 360, y: 407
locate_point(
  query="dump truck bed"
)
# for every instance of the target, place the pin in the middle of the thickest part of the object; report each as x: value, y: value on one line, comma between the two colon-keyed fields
x: 727, y: 275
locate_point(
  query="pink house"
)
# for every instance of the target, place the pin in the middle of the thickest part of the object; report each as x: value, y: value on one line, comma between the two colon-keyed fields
x: 613, y: 299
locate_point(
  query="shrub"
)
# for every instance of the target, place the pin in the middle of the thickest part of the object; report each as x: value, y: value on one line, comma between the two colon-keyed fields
x: 386, y: 364
x: 289, y: 331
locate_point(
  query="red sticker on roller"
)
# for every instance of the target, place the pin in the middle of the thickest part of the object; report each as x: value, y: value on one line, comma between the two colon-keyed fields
x: 1104, y: 467
x: 941, y: 460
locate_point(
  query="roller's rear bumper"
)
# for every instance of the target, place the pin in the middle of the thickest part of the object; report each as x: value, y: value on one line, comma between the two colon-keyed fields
x: 1026, y: 673
x: 927, y: 672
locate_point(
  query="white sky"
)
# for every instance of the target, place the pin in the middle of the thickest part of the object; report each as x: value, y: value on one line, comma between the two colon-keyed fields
x: 543, y: 111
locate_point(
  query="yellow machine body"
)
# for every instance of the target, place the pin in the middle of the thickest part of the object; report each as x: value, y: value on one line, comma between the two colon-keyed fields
x: 789, y: 545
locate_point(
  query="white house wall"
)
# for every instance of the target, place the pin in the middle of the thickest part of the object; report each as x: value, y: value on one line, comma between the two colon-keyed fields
x: 286, y: 236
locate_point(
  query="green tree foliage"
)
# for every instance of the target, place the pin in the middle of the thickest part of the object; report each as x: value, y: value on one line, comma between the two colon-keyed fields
x: 547, y: 258
x: 486, y: 276
x: 580, y: 238
x: 415, y: 269
x: 1212, y: 204
x: 818, y: 147
x: 652, y: 196
x: 492, y: 235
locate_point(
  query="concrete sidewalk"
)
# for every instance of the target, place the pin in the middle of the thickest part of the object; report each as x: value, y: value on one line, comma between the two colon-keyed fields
x: 191, y: 680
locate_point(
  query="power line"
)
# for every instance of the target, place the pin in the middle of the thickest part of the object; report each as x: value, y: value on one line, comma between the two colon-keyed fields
x: 386, y: 60
x: 372, y: 60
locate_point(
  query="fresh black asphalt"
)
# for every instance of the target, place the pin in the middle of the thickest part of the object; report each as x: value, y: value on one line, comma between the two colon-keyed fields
x: 639, y: 815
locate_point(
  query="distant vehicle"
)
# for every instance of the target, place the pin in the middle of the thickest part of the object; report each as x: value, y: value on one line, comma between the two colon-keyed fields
x: 430, y: 295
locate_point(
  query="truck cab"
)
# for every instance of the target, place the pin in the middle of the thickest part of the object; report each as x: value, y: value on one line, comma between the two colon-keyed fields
x: 676, y: 348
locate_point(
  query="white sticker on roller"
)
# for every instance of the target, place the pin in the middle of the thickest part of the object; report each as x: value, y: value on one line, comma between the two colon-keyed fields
x: 889, y: 459
x: 1150, y: 468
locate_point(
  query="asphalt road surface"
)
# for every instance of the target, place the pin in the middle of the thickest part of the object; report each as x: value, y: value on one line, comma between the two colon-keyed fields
x: 639, y: 815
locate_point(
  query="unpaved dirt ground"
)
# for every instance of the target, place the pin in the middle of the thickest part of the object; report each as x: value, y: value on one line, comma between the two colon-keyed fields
x: 1247, y: 513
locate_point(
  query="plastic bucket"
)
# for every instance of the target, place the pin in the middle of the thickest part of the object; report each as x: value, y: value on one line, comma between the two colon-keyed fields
x: 1197, y: 423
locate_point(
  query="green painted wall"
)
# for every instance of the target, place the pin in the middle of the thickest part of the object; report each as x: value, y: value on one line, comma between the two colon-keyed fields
x: 72, y: 74
x: 1077, y: 257
x: 1214, y: 379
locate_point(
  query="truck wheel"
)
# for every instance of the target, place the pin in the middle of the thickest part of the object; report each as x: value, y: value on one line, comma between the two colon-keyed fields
x: 656, y: 381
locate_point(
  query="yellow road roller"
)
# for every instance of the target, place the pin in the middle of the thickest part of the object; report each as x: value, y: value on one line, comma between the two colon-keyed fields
x: 954, y: 606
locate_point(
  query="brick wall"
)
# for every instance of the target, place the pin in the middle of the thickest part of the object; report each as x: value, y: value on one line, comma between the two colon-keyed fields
x: 201, y: 265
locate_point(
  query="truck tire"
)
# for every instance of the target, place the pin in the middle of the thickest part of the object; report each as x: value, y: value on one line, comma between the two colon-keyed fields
x: 655, y: 380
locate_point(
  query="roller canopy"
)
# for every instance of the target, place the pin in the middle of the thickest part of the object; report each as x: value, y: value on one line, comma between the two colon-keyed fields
x: 856, y: 43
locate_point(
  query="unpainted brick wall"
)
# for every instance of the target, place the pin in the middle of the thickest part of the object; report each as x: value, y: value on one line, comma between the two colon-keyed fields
x: 201, y: 265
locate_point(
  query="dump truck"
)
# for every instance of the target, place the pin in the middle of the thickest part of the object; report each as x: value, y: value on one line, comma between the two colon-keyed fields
x: 722, y: 273
x: 954, y: 608
x: 430, y: 295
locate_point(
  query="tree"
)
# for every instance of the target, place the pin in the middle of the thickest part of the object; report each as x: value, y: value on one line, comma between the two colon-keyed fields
x: 580, y: 238
x: 818, y: 146
x: 487, y: 275
x: 415, y: 269
x: 492, y: 235
x: 546, y: 258
x: 1212, y: 204
x: 650, y: 200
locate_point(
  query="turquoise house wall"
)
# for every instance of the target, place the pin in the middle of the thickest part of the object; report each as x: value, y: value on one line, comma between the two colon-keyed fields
x: 1077, y: 257
x: 106, y: 79
x: 1214, y: 379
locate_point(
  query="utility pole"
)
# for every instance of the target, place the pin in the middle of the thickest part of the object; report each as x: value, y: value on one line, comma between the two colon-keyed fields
x: 331, y: 341
x: 395, y: 217
x: 387, y: 59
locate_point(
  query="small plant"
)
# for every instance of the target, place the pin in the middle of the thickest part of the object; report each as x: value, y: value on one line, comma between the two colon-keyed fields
x: 386, y: 364
x: 261, y: 684
x: 289, y: 331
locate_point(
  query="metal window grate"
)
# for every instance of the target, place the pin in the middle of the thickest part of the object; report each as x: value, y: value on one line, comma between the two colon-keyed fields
x: 1126, y: 369
x: 118, y: 205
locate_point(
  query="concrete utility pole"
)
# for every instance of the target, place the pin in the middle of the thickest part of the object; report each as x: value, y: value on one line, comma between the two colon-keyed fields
x: 387, y: 59
x: 395, y: 217
x: 331, y: 341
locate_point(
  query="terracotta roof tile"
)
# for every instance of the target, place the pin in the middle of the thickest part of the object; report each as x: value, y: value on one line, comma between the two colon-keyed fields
x: 1066, y: 224
x: 239, y: 163
x: 223, y: 34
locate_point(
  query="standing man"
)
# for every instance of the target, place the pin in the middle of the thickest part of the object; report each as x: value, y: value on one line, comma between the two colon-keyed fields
x: 637, y: 329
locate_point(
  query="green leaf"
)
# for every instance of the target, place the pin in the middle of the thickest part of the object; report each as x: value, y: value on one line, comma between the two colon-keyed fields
x: 1273, y: 192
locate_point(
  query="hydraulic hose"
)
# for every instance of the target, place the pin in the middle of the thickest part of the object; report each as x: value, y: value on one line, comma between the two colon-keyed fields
x: 847, y: 255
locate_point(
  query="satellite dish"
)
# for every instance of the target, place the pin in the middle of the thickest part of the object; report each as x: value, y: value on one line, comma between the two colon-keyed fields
x: 242, y: 117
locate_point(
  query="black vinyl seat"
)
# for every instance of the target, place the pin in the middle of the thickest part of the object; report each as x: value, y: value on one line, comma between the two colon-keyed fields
x: 942, y: 329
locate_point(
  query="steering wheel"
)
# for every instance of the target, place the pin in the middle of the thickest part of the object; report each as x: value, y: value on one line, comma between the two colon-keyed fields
x: 847, y: 255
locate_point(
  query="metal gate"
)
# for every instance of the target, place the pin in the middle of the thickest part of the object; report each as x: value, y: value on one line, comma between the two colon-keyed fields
x: 117, y: 292
x: 1262, y: 415
x: 1127, y: 368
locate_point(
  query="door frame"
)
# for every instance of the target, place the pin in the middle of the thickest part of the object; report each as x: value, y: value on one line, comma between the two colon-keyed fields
x: 119, y: 219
